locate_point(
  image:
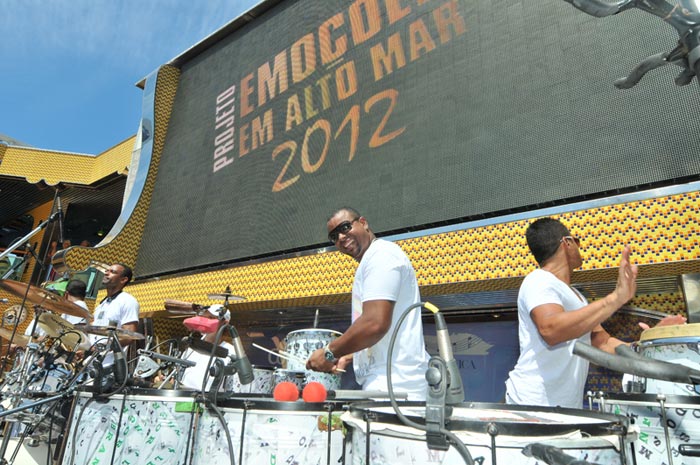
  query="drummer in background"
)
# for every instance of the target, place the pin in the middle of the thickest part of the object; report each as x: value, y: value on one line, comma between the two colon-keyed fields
x: 75, y: 294
x: 194, y: 376
x: 552, y: 316
x: 385, y: 285
x: 119, y: 308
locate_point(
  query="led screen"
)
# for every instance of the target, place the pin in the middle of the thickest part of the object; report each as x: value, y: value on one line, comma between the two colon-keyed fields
x: 414, y: 112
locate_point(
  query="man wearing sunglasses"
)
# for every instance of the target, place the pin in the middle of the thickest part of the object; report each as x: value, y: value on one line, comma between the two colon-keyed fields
x: 552, y: 316
x: 385, y: 285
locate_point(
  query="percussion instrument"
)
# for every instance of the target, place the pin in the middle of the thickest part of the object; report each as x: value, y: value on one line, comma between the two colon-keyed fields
x: 226, y: 296
x: 262, y: 382
x: 20, y: 339
x: 14, y: 314
x: 266, y: 431
x: 297, y: 377
x: 122, y: 334
x: 46, y: 299
x: 329, y: 380
x: 493, y: 434
x: 149, y: 426
x: 301, y: 343
x: 669, y: 426
x: 57, y: 327
x: 675, y: 344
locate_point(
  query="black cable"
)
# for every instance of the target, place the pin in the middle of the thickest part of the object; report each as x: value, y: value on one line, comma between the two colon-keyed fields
x: 453, y: 439
x: 220, y: 416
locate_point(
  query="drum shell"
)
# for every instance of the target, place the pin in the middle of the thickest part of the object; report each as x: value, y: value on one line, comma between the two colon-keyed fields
x: 262, y: 382
x: 583, y: 434
x: 329, y: 380
x: 152, y: 426
x: 297, y: 377
x: 266, y: 431
x: 645, y: 413
x: 301, y: 344
x: 682, y: 350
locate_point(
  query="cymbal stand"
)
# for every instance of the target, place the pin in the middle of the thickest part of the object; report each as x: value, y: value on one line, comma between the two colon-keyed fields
x: 25, y: 374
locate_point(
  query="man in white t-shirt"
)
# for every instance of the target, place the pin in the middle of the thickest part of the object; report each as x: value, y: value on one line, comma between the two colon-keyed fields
x: 385, y: 286
x: 552, y: 316
x: 119, y: 309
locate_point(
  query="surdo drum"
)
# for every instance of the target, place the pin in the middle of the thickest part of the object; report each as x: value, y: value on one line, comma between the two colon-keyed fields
x: 675, y: 344
x: 494, y: 434
x: 669, y: 426
x: 267, y: 432
x: 154, y: 426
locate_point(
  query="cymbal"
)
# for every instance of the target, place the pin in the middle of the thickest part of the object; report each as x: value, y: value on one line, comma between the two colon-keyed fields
x: 44, y: 298
x: 19, y: 339
x: 107, y: 330
x: 224, y: 296
x: 55, y: 326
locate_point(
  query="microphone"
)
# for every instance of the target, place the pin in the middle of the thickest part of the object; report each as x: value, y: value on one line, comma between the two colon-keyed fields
x: 245, y: 369
x: 455, y: 389
x: 60, y: 219
x: 119, y: 362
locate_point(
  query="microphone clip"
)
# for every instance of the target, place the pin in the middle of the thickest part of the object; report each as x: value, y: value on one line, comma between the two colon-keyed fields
x: 435, y: 405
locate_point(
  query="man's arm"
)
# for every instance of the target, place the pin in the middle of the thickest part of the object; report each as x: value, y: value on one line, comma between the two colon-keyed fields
x: 366, y: 331
x: 133, y: 327
x: 556, y: 325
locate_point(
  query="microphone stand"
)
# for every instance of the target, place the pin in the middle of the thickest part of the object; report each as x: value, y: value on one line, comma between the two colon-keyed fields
x: 55, y: 216
x: 439, y: 390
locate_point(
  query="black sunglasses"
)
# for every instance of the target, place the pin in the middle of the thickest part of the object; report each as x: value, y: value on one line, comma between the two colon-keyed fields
x: 575, y: 240
x: 342, y: 228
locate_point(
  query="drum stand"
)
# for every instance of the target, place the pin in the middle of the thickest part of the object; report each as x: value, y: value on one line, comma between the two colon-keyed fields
x: 26, y: 373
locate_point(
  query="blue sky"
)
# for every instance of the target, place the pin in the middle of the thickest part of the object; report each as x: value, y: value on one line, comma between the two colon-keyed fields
x: 68, y: 68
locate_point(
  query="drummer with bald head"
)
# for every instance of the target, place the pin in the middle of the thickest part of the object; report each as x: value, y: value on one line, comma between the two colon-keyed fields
x: 385, y: 286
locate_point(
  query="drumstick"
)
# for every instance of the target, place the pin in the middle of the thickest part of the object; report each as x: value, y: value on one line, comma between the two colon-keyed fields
x: 287, y: 356
x: 299, y: 360
x: 271, y: 352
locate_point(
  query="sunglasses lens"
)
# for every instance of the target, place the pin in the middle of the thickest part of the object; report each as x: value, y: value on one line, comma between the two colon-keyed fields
x: 342, y: 228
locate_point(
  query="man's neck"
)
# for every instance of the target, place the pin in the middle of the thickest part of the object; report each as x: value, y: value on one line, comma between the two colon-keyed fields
x: 113, y: 292
x: 560, y: 269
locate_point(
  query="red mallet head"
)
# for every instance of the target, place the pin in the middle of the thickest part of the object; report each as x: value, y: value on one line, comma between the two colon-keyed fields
x: 314, y: 392
x: 286, y: 391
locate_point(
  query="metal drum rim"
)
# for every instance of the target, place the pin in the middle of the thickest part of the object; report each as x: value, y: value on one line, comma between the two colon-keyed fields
x: 669, y: 399
x: 611, y: 424
x: 669, y: 341
x: 269, y: 404
x: 320, y: 330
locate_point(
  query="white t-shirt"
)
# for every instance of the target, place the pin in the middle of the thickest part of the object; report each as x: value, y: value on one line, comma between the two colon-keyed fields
x: 122, y: 309
x: 386, y: 273
x: 193, y: 376
x: 544, y: 375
